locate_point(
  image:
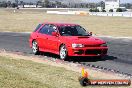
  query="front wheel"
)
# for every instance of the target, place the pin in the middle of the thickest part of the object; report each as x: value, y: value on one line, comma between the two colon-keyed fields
x: 63, y: 52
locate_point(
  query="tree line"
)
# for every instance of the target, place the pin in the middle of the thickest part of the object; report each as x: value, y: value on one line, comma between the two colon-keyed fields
x: 58, y: 4
x: 51, y: 4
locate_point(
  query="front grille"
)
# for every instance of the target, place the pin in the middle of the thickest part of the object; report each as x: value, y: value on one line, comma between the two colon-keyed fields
x: 93, y: 51
x: 79, y: 52
x: 105, y: 51
x: 92, y: 45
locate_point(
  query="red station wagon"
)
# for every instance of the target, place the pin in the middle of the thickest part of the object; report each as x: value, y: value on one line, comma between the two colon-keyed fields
x: 66, y: 40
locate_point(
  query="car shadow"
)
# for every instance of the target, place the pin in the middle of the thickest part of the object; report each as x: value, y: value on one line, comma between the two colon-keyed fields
x: 92, y: 59
x: 81, y: 59
x: 50, y: 55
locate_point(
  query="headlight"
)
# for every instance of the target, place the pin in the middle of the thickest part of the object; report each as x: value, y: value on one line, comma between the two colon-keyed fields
x: 77, y: 45
x: 104, y: 45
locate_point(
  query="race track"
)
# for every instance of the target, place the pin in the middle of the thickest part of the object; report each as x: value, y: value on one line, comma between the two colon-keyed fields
x: 119, y: 56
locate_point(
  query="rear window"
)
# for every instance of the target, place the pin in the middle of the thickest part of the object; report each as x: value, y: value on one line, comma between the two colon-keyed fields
x: 37, y: 27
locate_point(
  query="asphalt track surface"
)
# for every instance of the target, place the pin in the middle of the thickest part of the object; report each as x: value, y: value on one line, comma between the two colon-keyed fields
x: 119, y: 55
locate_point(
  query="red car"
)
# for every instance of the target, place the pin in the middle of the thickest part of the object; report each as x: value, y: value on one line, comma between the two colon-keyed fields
x: 66, y: 40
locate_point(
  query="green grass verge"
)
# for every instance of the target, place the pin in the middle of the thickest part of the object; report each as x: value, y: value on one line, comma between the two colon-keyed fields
x: 16, y: 73
x: 28, y: 74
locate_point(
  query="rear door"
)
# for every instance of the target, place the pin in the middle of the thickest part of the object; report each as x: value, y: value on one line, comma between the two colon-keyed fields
x: 42, y: 37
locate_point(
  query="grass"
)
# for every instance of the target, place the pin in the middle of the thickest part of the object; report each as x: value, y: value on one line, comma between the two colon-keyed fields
x: 26, y: 21
x: 20, y: 73
x: 27, y: 74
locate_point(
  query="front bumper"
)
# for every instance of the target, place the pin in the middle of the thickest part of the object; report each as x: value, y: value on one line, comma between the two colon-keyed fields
x: 88, y: 51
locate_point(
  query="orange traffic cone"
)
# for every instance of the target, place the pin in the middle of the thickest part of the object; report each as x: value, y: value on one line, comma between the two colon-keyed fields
x: 84, y: 81
x: 84, y: 73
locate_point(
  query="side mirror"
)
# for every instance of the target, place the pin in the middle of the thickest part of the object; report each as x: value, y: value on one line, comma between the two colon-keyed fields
x: 90, y: 33
x: 55, y: 34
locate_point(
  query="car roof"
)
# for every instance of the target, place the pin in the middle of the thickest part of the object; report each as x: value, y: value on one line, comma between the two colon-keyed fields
x: 60, y: 24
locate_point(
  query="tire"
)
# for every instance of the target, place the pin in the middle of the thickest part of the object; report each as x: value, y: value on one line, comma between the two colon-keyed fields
x: 99, y: 57
x: 63, y: 53
x: 35, y: 48
x: 85, y: 82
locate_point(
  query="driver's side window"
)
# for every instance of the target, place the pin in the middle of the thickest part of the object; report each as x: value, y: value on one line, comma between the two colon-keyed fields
x: 52, y: 28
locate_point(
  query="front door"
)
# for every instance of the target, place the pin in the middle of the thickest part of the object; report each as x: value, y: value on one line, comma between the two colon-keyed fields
x: 52, y: 41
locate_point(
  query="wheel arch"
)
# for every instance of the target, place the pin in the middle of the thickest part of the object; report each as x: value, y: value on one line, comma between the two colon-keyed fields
x: 32, y: 41
x: 36, y: 41
x: 61, y: 45
x: 65, y: 46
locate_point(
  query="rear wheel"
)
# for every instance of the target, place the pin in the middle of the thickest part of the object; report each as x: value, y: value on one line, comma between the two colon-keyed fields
x: 35, y: 48
x: 63, y: 52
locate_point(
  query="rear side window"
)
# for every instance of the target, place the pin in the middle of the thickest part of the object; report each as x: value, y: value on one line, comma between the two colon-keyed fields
x: 44, y: 29
x: 37, y: 27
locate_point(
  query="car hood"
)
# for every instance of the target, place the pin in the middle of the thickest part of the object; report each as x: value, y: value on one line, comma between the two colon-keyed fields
x: 88, y: 40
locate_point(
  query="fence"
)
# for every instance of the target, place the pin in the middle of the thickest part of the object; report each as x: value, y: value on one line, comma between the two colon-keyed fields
x: 68, y: 12
x: 120, y: 14
x: 79, y: 12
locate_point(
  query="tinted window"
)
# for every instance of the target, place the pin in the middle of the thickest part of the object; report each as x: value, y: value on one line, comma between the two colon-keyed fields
x: 73, y: 31
x: 51, y: 29
x: 44, y: 29
x: 37, y: 27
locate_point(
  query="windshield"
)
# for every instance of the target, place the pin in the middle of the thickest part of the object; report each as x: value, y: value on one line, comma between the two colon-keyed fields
x: 72, y: 31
